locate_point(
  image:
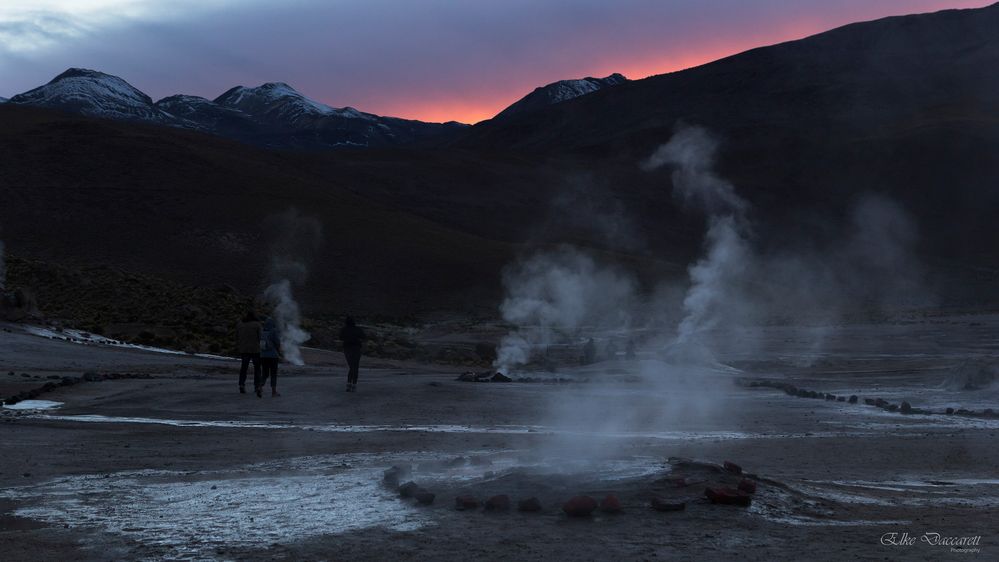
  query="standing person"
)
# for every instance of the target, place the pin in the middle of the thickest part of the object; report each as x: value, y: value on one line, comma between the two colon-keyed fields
x: 270, y: 352
x: 352, y: 337
x: 248, y: 334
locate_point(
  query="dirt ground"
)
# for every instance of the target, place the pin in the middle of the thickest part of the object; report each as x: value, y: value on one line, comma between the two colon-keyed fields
x: 181, y: 466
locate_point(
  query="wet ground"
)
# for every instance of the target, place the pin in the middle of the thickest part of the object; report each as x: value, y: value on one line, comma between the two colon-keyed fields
x: 182, y: 466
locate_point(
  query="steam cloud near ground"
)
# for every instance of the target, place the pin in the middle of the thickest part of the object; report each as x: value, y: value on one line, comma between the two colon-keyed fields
x: 294, y: 239
x: 563, y: 297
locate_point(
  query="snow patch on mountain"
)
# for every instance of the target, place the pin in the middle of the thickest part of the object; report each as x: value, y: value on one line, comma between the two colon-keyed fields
x: 280, y: 102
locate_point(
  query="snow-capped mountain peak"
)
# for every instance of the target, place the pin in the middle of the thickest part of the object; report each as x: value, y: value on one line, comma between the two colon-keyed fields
x: 279, y: 101
x: 93, y: 93
x: 558, y: 92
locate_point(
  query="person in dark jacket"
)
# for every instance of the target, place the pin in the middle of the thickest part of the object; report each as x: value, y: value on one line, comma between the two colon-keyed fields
x: 353, y: 338
x: 248, y: 333
x: 270, y: 352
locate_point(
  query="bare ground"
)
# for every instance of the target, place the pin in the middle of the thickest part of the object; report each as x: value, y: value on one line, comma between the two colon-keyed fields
x: 181, y: 466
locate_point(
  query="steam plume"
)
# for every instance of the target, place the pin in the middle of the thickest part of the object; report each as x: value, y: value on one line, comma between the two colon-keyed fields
x: 295, y: 240
x: 551, y: 296
x: 715, y: 277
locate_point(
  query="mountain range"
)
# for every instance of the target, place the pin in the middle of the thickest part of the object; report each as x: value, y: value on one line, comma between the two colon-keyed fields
x: 272, y: 115
x: 425, y: 219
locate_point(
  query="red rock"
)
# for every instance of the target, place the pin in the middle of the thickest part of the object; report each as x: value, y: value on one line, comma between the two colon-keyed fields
x: 530, y: 504
x: 498, y: 503
x: 748, y: 486
x: 728, y: 496
x: 732, y: 467
x: 466, y: 502
x: 663, y: 504
x: 579, y: 506
x: 610, y: 504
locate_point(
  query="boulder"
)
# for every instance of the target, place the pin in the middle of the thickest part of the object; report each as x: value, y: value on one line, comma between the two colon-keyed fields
x: 950, y: 411
x: 853, y: 399
x: 892, y: 407
x: 424, y: 497
x: 579, y: 506
x: 728, y: 496
x: 732, y: 467
x: 906, y: 408
x: 663, y: 504
x: 463, y: 503
x: 870, y: 402
x: 841, y: 398
x: 500, y: 377
x: 831, y: 397
x: 747, y: 485
x: 500, y: 502
x: 531, y: 505
x: 408, y: 489
x: 610, y: 504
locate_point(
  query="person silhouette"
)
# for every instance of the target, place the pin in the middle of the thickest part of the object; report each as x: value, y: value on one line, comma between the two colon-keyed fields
x: 353, y: 338
x: 248, y: 333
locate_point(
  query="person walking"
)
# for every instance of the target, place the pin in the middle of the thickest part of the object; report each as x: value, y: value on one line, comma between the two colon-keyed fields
x: 270, y: 352
x: 353, y: 339
x: 248, y: 333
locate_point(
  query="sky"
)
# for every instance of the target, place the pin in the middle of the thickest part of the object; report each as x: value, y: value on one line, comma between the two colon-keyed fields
x: 435, y: 60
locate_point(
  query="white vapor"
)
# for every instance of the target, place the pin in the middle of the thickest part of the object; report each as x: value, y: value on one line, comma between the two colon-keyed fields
x: 296, y: 237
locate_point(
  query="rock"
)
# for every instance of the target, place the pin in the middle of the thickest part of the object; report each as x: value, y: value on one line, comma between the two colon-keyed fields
x: 906, y: 408
x: 463, y: 503
x: 424, y: 497
x: 610, y: 504
x: 91, y: 376
x: 841, y: 398
x: 579, y: 506
x: 408, y: 489
x: 500, y: 502
x: 870, y: 402
x: 989, y: 413
x: 531, y: 505
x: 466, y: 377
x: 728, y: 496
x: 893, y: 407
x: 853, y: 399
x: 663, y: 504
x: 950, y: 411
x: 393, y: 475
x: 831, y: 397
x: 732, y: 467
x: 747, y: 485
x: 880, y: 403
x: 500, y: 377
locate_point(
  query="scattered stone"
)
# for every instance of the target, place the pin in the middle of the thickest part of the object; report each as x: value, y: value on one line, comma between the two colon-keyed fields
x: 893, y: 407
x: 424, y: 497
x: 841, y: 398
x: 408, y: 489
x: 531, y: 505
x: 463, y: 503
x: 853, y: 399
x: 880, y: 403
x: 831, y: 397
x: 732, y: 467
x: 870, y: 402
x: 906, y: 408
x: 950, y: 411
x: 663, y: 504
x: 747, y: 485
x: 500, y: 502
x: 579, y: 506
x: 728, y: 496
x: 610, y: 504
